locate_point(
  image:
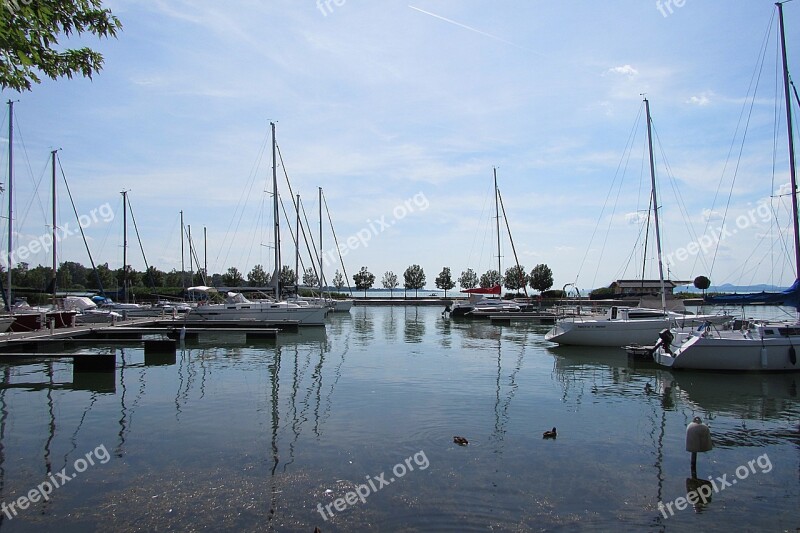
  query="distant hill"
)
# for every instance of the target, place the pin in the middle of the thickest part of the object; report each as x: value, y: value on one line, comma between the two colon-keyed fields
x: 728, y: 288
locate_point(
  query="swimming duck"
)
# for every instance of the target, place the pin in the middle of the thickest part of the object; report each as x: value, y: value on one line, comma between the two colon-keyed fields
x: 550, y: 434
x: 461, y: 441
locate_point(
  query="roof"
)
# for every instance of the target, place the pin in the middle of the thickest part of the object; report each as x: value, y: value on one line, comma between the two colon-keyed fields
x: 636, y: 283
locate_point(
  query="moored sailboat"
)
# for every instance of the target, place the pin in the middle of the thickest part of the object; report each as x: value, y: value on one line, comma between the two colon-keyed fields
x: 763, y: 346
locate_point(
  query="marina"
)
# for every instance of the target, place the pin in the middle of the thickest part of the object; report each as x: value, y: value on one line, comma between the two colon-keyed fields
x: 254, y: 437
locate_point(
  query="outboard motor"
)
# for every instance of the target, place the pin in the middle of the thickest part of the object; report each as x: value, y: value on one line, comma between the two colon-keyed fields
x: 666, y: 337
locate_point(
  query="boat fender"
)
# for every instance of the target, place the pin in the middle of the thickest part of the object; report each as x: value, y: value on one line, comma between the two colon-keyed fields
x: 666, y: 337
x: 792, y: 355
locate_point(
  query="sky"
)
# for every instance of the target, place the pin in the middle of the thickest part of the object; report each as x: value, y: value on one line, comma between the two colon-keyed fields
x: 401, y: 112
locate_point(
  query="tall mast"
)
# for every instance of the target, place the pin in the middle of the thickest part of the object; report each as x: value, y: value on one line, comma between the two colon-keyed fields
x: 276, y: 276
x: 497, y: 219
x: 297, y: 247
x: 205, y: 253
x: 787, y: 98
x: 10, y: 197
x: 55, y: 240
x: 320, y: 241
x: 183, y: 269
x: 191, y: 261
x: 125, y: 246
x: 655, y: 205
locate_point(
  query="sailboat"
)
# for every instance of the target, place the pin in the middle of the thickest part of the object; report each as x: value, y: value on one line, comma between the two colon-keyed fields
x: 763, y: 346
x: 237, y: 307
x: 622, y: 326
x: 477, y: 304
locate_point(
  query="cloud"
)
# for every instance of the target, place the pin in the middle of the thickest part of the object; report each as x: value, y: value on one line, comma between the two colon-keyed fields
x: 624, y: 70
x: 635, y: 218
x: 703, y: 99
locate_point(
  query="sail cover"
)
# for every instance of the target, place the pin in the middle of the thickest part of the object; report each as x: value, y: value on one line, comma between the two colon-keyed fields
x: 480, y: 290
x: 790, y: 296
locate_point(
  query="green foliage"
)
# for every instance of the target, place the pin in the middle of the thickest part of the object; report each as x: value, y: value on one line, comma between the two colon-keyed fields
x: 468, y: 279
x: 389, y: 281
x: 30, y: 32
x: 310, y: 277
x: 288, y: 277
x: 364, y: 279
x: 414, y: 278
x: 541, y: 278
x: 490, y: 278
x: 338, y: 280
x: 233, y: 278
x: 602, y: 293
x: 445, y: 281
x: 258, y: 277
x: 516, y: 278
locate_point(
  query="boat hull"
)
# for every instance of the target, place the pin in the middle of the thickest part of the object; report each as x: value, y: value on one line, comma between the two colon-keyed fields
x: 606, y: 332
x: 733, y: 354
x: 271, y: 313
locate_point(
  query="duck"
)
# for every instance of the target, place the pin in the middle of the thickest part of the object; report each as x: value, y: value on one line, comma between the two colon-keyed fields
x: 550, y: 434
x: 461, y: 441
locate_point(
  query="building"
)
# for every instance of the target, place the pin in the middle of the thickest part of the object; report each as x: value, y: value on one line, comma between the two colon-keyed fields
x: 644, y: 287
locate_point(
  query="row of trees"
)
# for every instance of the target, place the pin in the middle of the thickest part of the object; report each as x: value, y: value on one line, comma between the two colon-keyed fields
x: 74, y: 276
x: 540, y: 279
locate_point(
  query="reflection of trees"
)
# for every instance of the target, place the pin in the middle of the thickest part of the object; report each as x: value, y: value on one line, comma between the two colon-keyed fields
x: 389, y: 325
x: 363, y: 326
x: 414, y: 327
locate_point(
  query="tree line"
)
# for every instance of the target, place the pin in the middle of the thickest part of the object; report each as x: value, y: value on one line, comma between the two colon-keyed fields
x: 515, y: 279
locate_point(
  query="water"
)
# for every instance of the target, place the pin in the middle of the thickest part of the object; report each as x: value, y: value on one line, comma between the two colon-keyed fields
x: 263, y: 436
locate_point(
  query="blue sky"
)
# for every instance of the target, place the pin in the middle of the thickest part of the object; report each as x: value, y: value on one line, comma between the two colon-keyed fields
x: 400, y: 112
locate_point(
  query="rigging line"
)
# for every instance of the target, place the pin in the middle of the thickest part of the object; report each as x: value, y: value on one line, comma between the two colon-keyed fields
x: 311, y: 254
x: 291, y: 233
x: 475, y: 234
x: 80, y: 226
x: 679, y: 199
x: 21, y: 138
x: 755, y: 79
x: 297, y: 210
x: 141, y: 247
x: 621, y: 166
x: 513, y: 249
x: 336, y: 241
x: 240, y: 206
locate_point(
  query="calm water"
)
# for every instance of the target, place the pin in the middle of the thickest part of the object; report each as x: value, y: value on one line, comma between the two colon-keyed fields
x: 239, y: 436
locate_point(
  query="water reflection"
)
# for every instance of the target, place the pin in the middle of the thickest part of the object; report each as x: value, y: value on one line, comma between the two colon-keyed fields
x: 414, y: 325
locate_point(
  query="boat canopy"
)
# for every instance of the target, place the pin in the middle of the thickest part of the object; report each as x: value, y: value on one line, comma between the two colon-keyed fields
x: 790, y: 297
x: 481, y: 290
x: 202, y: 288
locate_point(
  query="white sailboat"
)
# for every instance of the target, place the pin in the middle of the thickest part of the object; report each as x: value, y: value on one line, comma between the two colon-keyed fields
x: 622, y: 325
x: 763, y: 346
x: 237, y: 307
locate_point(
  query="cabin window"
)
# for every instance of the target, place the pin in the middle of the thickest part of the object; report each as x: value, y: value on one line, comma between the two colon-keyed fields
x: 769, y: 332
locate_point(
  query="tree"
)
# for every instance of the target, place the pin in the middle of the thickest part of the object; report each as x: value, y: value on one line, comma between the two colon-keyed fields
x: 310, y: 277
x: 445, y: 281
x: 155, y: 277
x: 389, y: 281
x: 288, y: 277
x: 233, y: 278
x: 491, y: 278
x: 541, y: 278
x: 516, y: 278
x: 468, y: 279
x: 258, y: 277
x: 414, y: 278
x: 364, y: 280
x: 31, y: 32
x: 338, y: 280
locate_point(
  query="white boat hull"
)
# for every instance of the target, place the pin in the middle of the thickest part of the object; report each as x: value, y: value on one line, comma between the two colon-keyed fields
x: 733, y: 354
x: 262, y: 312
x: 579, y: 332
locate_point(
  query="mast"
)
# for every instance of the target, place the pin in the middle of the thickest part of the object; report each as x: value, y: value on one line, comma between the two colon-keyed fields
x: 183, y: 271
x: 205, y: 252
x: 497, y: 220
x: 191, y: 261
x: 55, y: 240
x: 125, y: 246
x: 320, y: 241
x: 276, y: 275
x: 10, y: 197
x: 655, y: 205
x: 297, y: 248
x: 792, y: 174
